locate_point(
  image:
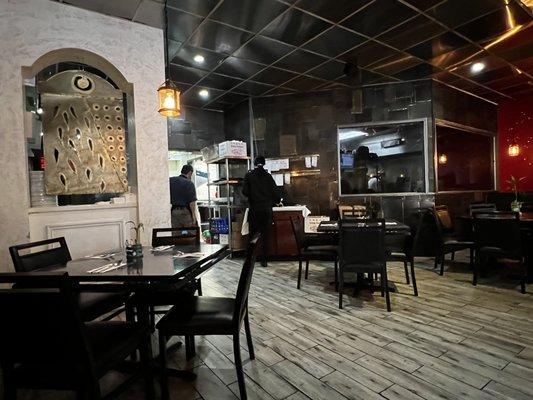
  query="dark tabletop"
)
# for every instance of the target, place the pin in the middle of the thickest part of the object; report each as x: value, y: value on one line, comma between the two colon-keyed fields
x: 524, y: 217
x: 391, y: 227
x: 153, y: 266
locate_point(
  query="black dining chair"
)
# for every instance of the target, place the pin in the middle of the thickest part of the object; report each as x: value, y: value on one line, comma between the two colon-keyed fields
x: 499, y: 235
x: 309, y: 251
x: 448, y: 244
x: 69, y: 354
x: 93, y: 303
x: 362, y: 250
x: 213, y: 316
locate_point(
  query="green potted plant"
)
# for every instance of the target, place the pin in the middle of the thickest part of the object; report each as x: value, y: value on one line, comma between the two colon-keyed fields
x: 136, y: 246
x: 513, y: 185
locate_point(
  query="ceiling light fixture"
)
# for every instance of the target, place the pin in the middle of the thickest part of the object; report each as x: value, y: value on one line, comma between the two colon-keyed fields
x: 169, y: 95
x: 513, y: 150
x: 204, y: 94
x: 443, y: 159
x: 477, y: 67
x: 199, y: 59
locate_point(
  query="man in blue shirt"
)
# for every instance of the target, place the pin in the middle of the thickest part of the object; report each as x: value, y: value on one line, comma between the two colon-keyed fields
x: 183, y: 199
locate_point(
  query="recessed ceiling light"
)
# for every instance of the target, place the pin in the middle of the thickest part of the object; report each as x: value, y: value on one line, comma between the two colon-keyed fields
x: 477, y: 67
x: 203, y: 94
x: 198, y: 58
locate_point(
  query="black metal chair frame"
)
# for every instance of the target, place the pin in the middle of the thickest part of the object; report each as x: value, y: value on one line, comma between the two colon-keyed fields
x: 306, y: 253
x: 45, y: 305
x: 240, y: 314
x: 483, y: 243
x: 359, y: 263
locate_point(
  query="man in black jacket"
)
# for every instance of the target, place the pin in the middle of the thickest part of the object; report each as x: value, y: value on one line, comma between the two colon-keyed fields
x: 262, y: 193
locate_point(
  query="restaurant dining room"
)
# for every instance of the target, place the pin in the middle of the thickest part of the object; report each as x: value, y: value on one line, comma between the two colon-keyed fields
x: 266, y: 199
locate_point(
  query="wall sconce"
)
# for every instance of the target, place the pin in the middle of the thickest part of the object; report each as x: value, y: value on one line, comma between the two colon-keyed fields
x: 513, y: 150
x: 443, y: 159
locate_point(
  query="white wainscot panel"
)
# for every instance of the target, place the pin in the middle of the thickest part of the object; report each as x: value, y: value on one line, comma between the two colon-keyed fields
x: 87, y: 229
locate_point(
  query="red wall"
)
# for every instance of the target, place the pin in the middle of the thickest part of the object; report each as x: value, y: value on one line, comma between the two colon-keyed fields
x: 515, y: 122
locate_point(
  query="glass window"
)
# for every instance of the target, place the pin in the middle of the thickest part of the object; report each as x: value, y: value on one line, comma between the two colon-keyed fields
x: 464, y: 160
x: 382, y: 158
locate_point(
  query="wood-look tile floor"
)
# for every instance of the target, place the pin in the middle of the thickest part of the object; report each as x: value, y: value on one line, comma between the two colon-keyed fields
x: 454, y: 341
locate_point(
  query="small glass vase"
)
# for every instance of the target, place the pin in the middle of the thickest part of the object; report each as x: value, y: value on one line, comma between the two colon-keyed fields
x: 516, y: 205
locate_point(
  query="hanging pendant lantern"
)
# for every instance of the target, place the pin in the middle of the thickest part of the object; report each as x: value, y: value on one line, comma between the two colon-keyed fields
x: 168, y: 93
x: 169, y: 100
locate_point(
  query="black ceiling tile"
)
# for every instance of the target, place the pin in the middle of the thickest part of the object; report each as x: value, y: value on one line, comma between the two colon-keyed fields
x: 239, y: 67
x: 330, y: 70
x: 300, y: 61
x: 368, y: 53
x: 412, y: 32
x: 252, y: 88
x: 436, y: 46
x: 218, y: 106
x: 233, y: 98
x: 182, y: 87
x: 394, y: 64
x: 516, y: 46
x: 378, y: 17
x: 295, y: 27
x: 458, y: 57
x: 119, y: 8
x: 181, y: 25
x: 334, y: 41
x: 220, y: 38
x: 494, y: 69
x: 335, y: 13
x: 495, y: 24
x: 279, y: 91
x: 303, y: 83
x: 368, y: 77
x: 250, y: 15
x: 456, y: 12
x: 194, y: 93
x: 179, y: 73
x: 263, y: 50
x: 150, y: 13
x: 185, y: 56
x: 274, y: 76
x: 424, y: 4
x: 198, y: 7
x: 220, y: 82
x: 417, y: 72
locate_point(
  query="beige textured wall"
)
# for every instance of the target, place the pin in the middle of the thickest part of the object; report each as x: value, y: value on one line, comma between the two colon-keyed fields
x: 32, y: 28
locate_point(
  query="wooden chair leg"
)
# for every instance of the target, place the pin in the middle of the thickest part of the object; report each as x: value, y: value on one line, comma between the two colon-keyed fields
x: 382, y: 284
x: 146, y: 357
x: 307, y: 269
x: 341, y: 286
x: 442, y: 265
x: 386, y: 285
x: 163, y: 366
x: 249, y: 335
x: 190, y: 348
x: 199, y: 286
x: 238, y: 366
x: 524, y: 277
x: 472, y: 257
x: 415, y: 288
x: 453, y: 256
x: 336, y: 275
x: 406, y: 272
x: 299, y: 274
x: 475, y: 271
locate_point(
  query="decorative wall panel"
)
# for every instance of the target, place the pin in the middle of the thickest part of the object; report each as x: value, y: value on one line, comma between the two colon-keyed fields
x: 84, y: 135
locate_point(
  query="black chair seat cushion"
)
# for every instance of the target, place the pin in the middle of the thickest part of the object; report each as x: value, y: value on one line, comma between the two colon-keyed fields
x: 95, y: 304
x: 361, y: 268
x: 324, y: 253
x: 455, y: 245
x: 199, y: 315
x: 397, y: 256
x: 498, y: 252
x: 111, y: 342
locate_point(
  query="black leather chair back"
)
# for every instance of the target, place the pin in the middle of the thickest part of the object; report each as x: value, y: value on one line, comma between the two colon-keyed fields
x: 31, y: 261
x: 475, y: 208
x: 428, y: 237
x: 41, y: 328
x: 175, y: 236
x: 498, y: 229
x: 241, y: 299
x: 362, y: 241
x: 299, y: 234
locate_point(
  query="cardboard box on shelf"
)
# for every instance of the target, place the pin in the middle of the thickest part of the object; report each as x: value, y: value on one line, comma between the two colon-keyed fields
x: 210, y: 152
x: 238, y: 241
x: 232, y: 148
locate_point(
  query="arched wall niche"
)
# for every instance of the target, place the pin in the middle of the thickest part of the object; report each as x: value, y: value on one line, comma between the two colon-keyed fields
x: 104, y: 67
